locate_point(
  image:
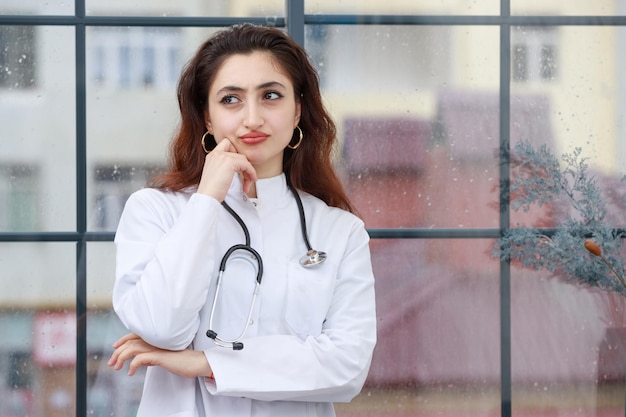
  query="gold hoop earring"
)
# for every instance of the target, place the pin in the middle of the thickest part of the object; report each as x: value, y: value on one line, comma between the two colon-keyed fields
x: 203, y: 143
x: 299, y: 141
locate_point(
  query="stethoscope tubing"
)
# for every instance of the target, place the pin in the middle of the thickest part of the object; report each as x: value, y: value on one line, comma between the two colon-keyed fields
x: 305, y: 234
x: 312, y: 258
x: 235, y: 343
x: 246, y: 247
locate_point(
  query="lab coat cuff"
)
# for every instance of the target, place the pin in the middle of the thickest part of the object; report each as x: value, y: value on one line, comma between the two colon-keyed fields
x: 210, y: 382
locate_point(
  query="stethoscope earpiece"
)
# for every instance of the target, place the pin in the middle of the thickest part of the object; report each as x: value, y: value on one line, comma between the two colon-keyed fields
x: 312, y: 258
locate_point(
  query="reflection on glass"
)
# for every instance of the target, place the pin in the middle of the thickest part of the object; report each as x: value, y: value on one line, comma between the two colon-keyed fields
x: 565, y: 102
x: 571, y: 77
x: 568, y: 8
x: 403, y: 7
x: 128, y: 58
x: 573, y: 361
x: 418, y: 119
x: 38, y: 324
x: 100, y: 275
x: 221, y: 8
x: 534, y: 52
x: 19, y: 186
x: 37, y: 116
x: 17, y: 63
x: 36, y: 7
x: 138, y: 66
x: 109, y: 392
x: 438, y: 330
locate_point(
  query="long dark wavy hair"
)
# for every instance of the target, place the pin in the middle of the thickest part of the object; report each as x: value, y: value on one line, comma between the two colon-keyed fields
x: 309, y: 167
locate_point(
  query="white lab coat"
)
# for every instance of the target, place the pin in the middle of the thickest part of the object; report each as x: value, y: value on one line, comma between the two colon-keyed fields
x: 313, y: 331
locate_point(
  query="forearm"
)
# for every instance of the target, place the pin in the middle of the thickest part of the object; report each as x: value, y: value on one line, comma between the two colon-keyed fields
x: 187, y: 363
x: 283, y: 368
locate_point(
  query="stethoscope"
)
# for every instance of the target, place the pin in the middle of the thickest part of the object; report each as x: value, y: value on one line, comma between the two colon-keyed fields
x: 311, y: 259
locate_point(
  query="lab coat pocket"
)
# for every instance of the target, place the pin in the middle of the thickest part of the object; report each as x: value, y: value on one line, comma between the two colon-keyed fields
x: 309, y: 295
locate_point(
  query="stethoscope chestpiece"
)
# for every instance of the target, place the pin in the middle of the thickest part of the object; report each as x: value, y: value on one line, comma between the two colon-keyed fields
x: 312, y: 258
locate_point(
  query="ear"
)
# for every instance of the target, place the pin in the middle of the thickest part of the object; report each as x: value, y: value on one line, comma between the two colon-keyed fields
x: 207, y: 122
x: 298, y: 113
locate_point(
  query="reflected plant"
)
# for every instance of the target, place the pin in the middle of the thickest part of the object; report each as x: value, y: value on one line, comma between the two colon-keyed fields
x: 573, y: 204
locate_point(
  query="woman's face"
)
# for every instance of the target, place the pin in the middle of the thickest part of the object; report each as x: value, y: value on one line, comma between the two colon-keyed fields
x: 252, y: 103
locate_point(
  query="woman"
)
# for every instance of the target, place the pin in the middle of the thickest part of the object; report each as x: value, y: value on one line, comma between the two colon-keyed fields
x: 253, y: 131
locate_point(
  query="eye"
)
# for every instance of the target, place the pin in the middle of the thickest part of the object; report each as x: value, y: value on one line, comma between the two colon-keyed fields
x: 272, y: 95
x: 229, y: 100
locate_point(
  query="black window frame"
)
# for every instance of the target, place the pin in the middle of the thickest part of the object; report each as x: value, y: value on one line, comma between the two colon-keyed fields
x: 294, y: 21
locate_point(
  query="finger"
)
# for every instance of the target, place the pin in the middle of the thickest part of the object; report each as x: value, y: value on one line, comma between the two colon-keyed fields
x: 225, y: 145
x: 134, y: 365
x: 142, y: 359
x: 114, y: 357
x: 125, y: 352
x: 116, y: 362
x: 121, y: 342
x: 248, y: 179
x: 125, y: 339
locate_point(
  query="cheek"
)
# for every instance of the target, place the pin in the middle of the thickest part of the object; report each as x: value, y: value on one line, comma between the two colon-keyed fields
x: 285, y: 126
x: 223, y: 126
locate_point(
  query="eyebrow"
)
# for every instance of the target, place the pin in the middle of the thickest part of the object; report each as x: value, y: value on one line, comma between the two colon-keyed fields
x: 233, y: 88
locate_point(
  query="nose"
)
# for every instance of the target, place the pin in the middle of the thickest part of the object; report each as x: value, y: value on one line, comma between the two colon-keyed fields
x: 253, y: 117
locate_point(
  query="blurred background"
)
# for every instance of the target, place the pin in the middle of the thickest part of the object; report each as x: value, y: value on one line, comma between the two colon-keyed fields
x: 427, y: 95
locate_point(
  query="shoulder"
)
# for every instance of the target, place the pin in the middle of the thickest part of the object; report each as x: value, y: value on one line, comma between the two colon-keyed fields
x: 155, y: 206
x: 156, y: 198
x: 151, y: 210
x: 335, y: 215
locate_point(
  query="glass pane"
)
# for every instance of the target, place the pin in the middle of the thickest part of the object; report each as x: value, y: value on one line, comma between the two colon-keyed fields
x: 37, y: 275
x: 567, y: 129
x: 438, y: 330
x: 223, y: 8
x: 565, y: 8
x: 571, y: 95
x: 403, y: 7
x: 37, y: 149
x: 38, y: 324
x: 574, y: 361
x: 31, y: 7
x: 139, y: 67
x: 100, y: 275
x: 417, y: 113
x: 109, y: 393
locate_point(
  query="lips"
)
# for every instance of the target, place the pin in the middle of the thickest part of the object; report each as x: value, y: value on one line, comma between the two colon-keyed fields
x: 253, y: 138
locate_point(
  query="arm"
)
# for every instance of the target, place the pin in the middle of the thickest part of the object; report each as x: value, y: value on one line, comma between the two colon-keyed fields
x: 165, y: 259
x: 164, y: 266
x: 186, y: 363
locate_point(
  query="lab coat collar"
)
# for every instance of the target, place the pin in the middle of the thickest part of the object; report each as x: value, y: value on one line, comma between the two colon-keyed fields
x: 271, y: 191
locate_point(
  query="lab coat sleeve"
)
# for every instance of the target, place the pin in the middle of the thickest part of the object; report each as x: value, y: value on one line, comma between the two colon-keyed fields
x: 331, y: 367
x: 164, y: 264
